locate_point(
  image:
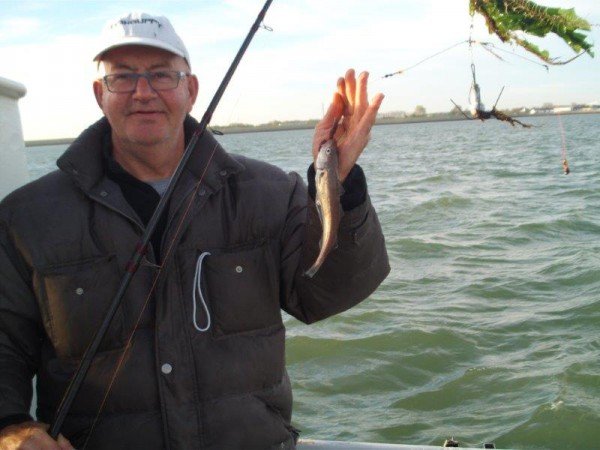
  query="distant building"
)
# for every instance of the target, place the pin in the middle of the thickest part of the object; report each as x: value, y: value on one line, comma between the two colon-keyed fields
x: 562, y: 109
x: 392, y: 115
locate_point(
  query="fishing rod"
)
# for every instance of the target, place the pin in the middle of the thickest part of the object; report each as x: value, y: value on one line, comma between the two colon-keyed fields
x: 142, y: 246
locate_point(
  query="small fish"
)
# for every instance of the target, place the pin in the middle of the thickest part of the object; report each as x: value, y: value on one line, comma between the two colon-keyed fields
x: 475, y: 105
x: 329, y: 189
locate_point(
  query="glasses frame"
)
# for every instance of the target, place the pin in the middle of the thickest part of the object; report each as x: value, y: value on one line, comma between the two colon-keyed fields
x: 147, y: 75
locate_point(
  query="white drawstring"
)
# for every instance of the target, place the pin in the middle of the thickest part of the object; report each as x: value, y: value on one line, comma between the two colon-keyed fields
x: 198, y: 288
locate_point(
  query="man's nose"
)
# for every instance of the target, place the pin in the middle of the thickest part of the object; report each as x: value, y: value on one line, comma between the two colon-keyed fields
x: 143, y: 89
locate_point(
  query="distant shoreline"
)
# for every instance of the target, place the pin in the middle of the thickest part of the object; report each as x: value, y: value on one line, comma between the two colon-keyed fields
x: 310, y: 124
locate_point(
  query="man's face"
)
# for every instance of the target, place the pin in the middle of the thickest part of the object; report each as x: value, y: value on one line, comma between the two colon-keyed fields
x: 145, y: 116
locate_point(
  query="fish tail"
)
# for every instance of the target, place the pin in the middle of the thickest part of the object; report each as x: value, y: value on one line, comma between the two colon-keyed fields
x: 315, y: 267
x: 312, y: 271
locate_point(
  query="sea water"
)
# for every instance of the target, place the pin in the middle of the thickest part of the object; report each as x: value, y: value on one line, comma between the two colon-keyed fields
x: 488, y: 327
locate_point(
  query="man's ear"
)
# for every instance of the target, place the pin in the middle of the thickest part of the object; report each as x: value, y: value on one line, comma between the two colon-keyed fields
x: 193, y: 88
x: 98, y: 92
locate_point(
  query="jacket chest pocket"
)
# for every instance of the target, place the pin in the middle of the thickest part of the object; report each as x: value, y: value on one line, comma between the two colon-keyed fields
x: 74, y: 298
x: 241, y: 289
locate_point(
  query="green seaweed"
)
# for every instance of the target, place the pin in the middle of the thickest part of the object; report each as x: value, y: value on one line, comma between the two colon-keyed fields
x: 505, y: 18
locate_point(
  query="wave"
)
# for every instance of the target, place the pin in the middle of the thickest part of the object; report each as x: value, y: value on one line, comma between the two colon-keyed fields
x: 557, y: 226
x: 445, y: 202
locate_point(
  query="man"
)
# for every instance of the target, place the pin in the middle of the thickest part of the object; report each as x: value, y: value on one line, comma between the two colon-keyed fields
x: 205, y: 367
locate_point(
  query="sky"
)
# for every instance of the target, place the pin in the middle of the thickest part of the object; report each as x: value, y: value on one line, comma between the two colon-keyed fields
x: 288, y: 73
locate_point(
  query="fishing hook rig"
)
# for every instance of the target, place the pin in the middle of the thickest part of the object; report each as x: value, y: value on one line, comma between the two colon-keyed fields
x: 505, y: 19
x: 478, y: 112
x: 477, y: 108
x: 142, y: 246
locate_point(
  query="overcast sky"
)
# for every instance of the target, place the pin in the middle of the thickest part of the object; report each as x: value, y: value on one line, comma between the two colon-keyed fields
x: 289, y: 73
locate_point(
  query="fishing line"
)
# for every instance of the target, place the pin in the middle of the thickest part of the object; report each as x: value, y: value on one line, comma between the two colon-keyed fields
x: 234, y: 107
x: 553, y: 62
x: 565, y: 162
x: 490, y: 48
x: 237, y: 100
x: 471, y: 45
x: 490, y: 51
x: 401, y: 71
x: 563, y: 138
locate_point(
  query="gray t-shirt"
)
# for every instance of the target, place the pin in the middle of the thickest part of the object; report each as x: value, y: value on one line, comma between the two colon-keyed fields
x: 160, y: 186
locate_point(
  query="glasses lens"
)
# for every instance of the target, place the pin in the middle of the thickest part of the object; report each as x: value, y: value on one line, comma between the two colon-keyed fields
x: 127, y: 82
x: 163, y: 80
x: 121, y: 82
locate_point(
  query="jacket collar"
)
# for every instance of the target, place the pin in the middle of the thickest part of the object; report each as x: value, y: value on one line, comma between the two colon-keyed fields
x: 209, y: 159
x: 84, y: 162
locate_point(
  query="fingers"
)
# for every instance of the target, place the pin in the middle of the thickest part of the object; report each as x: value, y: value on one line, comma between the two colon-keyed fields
x: 40, y: 440
x: 370, y: 114
x: 64, y: 443
x: 350, y: 82
x: 336, y: 108
x: 333, y: 113
x: 350, y: 102
x: 354, y: 94
x: 341, y: 90
x: 30, y: 436
x: 352, y: 147
x: 361, y: 101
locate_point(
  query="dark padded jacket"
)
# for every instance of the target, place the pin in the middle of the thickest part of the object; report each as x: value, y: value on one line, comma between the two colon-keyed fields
x: 65, y: 241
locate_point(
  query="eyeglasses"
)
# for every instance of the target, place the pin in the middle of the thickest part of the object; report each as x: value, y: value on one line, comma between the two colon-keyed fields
x: 164, y: 80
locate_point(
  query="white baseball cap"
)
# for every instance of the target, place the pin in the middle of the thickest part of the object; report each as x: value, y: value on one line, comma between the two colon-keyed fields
x: 138, y: 28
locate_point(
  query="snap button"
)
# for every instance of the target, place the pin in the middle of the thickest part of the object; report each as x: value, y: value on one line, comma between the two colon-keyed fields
x: 103, y: 194
x: 202, y: 191
x: 223, y: 173
x: 79, y: 291
x: 166, y: 368
x: 239, y: 269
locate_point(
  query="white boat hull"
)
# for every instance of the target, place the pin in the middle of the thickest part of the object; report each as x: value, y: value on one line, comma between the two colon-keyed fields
x: 310, y: 444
